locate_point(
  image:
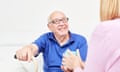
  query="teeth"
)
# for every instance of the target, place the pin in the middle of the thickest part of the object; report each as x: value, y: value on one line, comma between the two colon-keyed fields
x: 61, y: 29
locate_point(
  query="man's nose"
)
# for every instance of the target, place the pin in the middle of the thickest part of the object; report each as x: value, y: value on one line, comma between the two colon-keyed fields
x: 61, y: 22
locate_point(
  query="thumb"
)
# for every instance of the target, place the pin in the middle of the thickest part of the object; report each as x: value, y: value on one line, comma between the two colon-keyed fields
x: 82, y: 63
x: 78, y: 54
x: 29, y: 56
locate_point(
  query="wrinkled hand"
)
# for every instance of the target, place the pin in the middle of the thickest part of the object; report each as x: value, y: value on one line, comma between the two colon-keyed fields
x: 25, y: 53
x: 72, y: 61
x: 65, y: 69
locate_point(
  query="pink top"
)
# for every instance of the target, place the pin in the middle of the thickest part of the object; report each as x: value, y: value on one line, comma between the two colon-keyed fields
x: 104, y: 48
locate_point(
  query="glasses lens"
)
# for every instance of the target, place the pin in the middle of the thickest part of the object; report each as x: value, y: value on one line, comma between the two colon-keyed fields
x: 57, y: 21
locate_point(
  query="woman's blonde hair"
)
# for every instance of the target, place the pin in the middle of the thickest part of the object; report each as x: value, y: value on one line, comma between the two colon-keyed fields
x: 109, y: 9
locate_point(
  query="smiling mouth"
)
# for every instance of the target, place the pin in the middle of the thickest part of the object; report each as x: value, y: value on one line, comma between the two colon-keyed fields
x: 61, y: 29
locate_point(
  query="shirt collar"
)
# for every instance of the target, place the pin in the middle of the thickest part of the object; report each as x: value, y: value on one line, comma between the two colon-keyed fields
x: 52, y: 37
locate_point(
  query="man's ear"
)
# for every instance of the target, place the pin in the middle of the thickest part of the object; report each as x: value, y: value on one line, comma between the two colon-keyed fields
x: 49, y: 26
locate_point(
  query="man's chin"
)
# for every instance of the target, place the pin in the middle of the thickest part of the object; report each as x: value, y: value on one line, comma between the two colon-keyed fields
x: 62, y: 34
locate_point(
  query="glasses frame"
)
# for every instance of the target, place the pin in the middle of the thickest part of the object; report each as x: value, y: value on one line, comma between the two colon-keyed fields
x: 58, y: 20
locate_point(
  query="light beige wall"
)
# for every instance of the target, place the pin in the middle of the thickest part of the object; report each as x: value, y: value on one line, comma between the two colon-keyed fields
x: 22, y: 21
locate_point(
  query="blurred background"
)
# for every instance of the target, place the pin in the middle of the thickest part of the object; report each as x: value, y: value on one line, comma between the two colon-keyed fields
x: 22, y: 21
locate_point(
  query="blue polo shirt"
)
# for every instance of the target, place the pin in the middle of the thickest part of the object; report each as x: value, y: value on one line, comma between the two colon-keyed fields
x: 53, y: 52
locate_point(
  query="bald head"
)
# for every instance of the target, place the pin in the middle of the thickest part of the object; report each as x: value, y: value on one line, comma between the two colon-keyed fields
x: 55, y: 15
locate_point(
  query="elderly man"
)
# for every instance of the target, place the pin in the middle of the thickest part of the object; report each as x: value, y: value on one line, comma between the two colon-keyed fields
x: 53, y: 44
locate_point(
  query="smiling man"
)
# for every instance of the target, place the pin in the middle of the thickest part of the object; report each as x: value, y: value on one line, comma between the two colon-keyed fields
x: 53, y: 44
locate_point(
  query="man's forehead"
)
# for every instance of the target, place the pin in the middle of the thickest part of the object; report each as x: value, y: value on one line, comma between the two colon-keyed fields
x: 57, y: 14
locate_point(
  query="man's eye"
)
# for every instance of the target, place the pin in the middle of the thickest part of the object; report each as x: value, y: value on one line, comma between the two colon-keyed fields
x: 55, y: 21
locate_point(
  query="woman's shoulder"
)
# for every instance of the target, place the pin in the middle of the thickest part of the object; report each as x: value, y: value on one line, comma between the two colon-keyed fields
x: 108, y: 25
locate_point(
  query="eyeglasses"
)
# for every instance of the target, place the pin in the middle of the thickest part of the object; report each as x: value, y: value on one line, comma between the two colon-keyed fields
x: 57, y: 21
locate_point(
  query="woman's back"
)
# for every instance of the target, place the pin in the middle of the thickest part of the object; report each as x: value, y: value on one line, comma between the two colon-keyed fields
x: 104, y: 48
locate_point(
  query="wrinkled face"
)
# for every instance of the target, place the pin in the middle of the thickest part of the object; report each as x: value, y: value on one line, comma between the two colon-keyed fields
x: 58, y: 23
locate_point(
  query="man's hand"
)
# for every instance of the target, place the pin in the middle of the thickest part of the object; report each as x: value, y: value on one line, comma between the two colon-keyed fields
x: 72, y: 61
x: 26, y: 53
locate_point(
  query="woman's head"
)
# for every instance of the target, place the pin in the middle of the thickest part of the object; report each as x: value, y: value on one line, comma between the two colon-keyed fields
x: 109, y: 9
